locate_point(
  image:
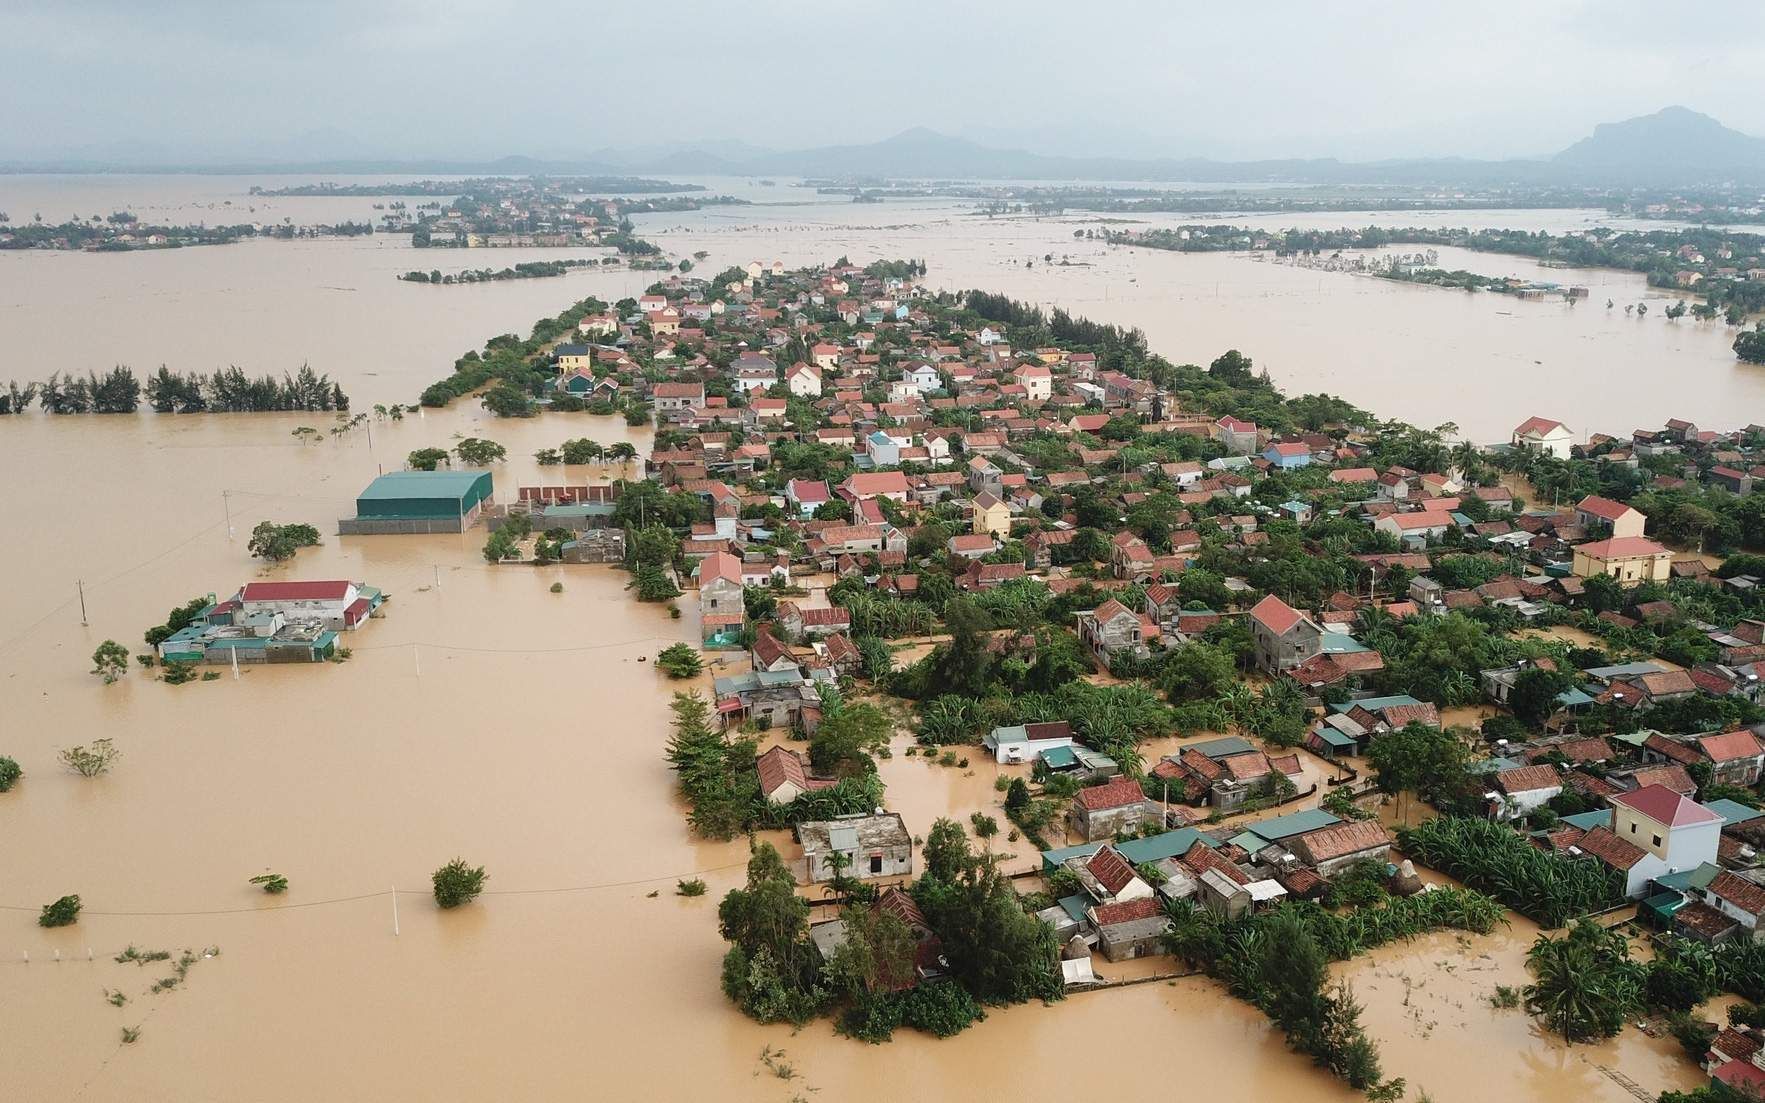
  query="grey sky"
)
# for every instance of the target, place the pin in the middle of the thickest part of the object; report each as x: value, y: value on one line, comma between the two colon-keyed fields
x: 478, y: 78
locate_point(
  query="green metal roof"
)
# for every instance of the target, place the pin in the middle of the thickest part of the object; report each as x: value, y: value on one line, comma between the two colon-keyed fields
x: 1587, y: 821
x: 1374, y: 704
x: 1688, y: 880
x: 1248, y: 841
x: 422, y: 484
x: 1075, y: 907
x: 1733, y: 810
x: 1051, y: 859
x: 1295, y: 823
x: 1333, y: 737
x: 1171, y: 844
x: 1221, y: 748
x: 1059, y: 758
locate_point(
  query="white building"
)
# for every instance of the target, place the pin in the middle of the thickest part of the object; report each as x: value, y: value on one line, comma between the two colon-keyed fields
x: 1026, y: 742
x: 1541, y: 434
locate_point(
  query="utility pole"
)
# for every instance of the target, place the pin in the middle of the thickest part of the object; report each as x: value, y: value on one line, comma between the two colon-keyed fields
x: 227, y: 509
x: 81, y: 583
x: 395, y: 910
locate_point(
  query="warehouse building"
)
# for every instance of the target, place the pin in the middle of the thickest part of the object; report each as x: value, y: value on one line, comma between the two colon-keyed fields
x: 407, y: 502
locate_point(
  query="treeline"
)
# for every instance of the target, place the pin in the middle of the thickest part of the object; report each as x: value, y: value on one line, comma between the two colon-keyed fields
x: 529, y: 270
x: 519, y: 364
x: 118, y: 391
x: 121, y: 235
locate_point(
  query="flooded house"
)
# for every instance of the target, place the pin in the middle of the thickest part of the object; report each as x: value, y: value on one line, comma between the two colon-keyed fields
x: 409, y: 502
x: 866, y: 846
x: 1113, y: 808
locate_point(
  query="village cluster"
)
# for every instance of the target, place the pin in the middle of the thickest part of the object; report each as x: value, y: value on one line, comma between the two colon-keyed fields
x: 843, y: 456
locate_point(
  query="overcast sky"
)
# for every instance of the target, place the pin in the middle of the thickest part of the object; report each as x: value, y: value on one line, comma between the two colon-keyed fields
x: 484, y: 78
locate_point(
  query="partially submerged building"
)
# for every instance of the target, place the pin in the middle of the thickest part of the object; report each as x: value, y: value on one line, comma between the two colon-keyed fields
x: 411, y: 502
x: 871, y: 846
x: 274, y: 622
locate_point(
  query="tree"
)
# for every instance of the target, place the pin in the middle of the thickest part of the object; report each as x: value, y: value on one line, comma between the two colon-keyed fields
x: 502, y: 545
x: 10, y: 772
x: 279, y: 542
x: 272, y: 883
x: 772, y: 968
x: 1750, y: 345
x: 1197, y: 672
x: 426, y: 459
x: 848, y: 735
x: 653, y: 584
x: 457, y: 883
x: 62, y: 913
x: 997, y: 951
x: 110, y: 661
x: 962, y: 664
x: 507, y: 400
x: 475, y: 452
x: 1534, y: 694
x: 1584, y: 984
x: 89, y: 762
x: 1420, y: 758
x: 680, y: 661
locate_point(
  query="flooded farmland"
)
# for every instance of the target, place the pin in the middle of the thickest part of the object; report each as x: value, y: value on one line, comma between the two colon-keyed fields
x: 489, y: 718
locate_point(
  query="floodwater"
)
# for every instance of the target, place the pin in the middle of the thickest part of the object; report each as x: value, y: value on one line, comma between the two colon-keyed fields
x: 484, y: 716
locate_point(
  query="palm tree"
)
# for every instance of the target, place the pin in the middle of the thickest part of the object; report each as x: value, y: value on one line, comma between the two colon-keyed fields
x: 624, y: 452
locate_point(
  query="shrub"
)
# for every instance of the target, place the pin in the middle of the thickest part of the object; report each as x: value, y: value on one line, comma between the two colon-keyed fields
x: 89, y: 762
x: 62, y: 913
x: 679, y: 661
x: 273, y: 883
x: 693, y: 887
x: 178, y: 671
x: 10, y: 772
x: 557, y: 587
x: 457, y: 883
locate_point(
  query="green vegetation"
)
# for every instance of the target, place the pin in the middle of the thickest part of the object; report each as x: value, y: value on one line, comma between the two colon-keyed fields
x: 476, y: 452
x: 426, y: 459
x: 10, y: 772
x: 110, y: 661
x: 1488, y: 856
x: 62, y: 913
x: 693, y: 887
x: 273, y: 883
x: 526, y: 270
x: 89, y: 762
x: 457, y: 883
x: 717, y: 777
x: 680, y: 660
x: 279, y: 542
x: 177, y: 620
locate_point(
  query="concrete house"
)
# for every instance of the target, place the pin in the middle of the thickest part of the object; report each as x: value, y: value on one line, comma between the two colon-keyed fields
x: 1738, y: 898
x: 1619, y: 519
x: 872, y: 846
x: 1735, y: 757
x: 1284, y: 636
x: 1107, y: 810
x: 1629, y: 559
x: 1541, y: 434
x: 1130, y: 928
x: 1672, y: 832
x: 1112, y: 629
x: 991, y: 516
x: 1026, y: 742
x: 1238, y: 437
x: 1524, y: 789
x: 784, y: 777
x: 1333, y: 849
x: 721, y: 607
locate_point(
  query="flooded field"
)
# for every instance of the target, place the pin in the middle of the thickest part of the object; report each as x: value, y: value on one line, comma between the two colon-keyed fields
x: 489, y: 718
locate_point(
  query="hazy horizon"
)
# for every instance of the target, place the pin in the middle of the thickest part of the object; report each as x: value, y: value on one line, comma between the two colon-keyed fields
x: 478, y: 79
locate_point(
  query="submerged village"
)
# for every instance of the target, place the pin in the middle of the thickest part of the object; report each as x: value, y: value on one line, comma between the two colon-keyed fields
x: 1259, y: 682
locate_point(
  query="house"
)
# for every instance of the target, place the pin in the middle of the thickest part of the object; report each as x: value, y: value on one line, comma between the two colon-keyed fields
x: 1130, y: 928
x: 1238, y: 437
x: 992, y: 517
x: 1107, y: 810
x: 925, y: 378
x: 976, y: 545
x: 804, y: 380
x: 863, y: 485
x: 928, y: 955
x: 1414, y: 530
x: 1037, y: 382
x: 1629, y: 559
x: 1740, y: 899
x: 1026, y: 742
x: 1735, y: 757
x: 1287, y: 455
x: 1618, y: 519
x: 1673, y: 833
x: 1521, y: 790
x: 801, y: 621
x: 866, y: 846
x: 1544, y: 435
x: 679, y: 396
x: 1113, y: 629
x: 1284, y: 636
x: 806, y: 495
x: 784, y: 777
x: 1332, y: 849
x: 721, y: 608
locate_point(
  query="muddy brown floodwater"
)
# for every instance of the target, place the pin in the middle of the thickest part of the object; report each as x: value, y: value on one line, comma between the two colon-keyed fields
x: 486, y: 717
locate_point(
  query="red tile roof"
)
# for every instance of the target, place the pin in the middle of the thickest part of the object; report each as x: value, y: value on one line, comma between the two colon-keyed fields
x: 1746, y: 895
x: 1343, y: 839
x: 1126, y: 911
x: 1112, y: 870
x: 1119, y: 793
x: 1729, y: 746
x: 1664, y: 806
x: 1610, y: 849
x: 1523, y: 779
x: 1621, y: 547
x: 294, y: 591
x: 1276, y: 615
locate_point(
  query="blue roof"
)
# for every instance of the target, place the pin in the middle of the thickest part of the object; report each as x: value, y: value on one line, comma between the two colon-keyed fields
x: 423, y: 484
x: 1333, y: 737
x: 1687, y: 879
x: 1733, y: 811
x: 1296, y: 506
x: 1572, y: 697
x: 1051, y: 859
x: 1341, y: 643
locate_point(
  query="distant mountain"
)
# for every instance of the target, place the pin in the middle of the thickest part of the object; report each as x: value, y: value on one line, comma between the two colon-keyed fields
x: 1673, y: 147
x: 1675, y: 141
